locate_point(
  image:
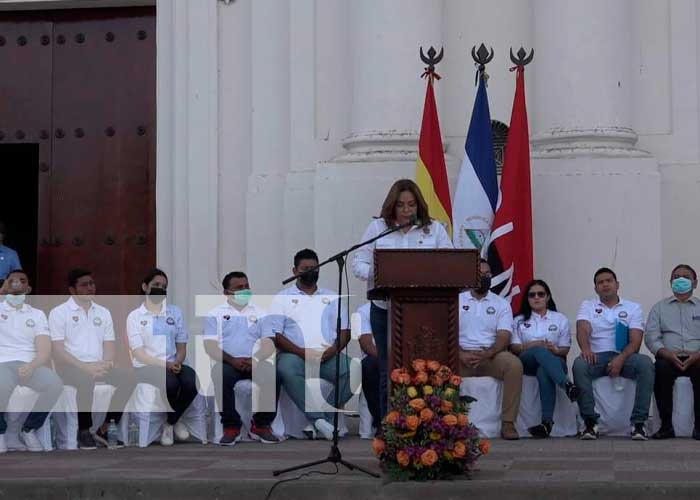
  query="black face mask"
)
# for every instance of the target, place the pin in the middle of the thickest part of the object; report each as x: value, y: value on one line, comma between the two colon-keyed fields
x: 484, y: 284
x: 157, y: 294
x: 309, y: 279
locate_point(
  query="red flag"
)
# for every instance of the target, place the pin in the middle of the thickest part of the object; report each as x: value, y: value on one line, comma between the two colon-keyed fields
x: 511, y: 234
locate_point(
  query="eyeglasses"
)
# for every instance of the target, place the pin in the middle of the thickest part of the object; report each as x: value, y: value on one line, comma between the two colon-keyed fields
x: 532, y: 295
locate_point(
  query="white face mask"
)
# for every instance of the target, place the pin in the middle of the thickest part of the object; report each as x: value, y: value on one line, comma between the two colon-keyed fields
x: 15, y: 300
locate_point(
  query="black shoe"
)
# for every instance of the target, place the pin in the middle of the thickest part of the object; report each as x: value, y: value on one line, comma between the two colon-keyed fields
x: 102, y: 439
x: 86, y: 441
x: 696, y: 434
x: 639, y: 433
x: 542, y: 430
x: 665, y: 432
x: 572, y: 392
x: 590, y: 432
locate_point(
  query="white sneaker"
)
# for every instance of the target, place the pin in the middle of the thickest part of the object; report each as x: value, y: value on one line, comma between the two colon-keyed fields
x: 31, y: 441
x: 166, y: 439
x: 181, y: 432
x: 3, y: 444
x: 309, y: 431
x: 325, y: 428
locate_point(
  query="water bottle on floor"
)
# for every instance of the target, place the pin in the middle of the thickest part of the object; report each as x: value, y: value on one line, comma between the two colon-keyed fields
x: 112, y: 435
x: 133, y: 434
x: 618, y: 383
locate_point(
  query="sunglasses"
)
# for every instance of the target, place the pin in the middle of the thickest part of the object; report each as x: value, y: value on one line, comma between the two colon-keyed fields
x: 532, y: 295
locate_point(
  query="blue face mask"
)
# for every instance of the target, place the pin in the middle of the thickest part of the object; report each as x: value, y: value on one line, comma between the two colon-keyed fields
x: 681, y: 285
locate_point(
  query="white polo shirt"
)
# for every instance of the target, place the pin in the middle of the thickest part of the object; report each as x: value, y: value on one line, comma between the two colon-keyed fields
x: 308, y: 321
x: 156, y: 333
x: 603, y: 320
x: 18, y: 331
x: 553, y: 326
x: 432, y: 236
x: 237, y: 331
x: 479, y: 320
x: 82, y: 333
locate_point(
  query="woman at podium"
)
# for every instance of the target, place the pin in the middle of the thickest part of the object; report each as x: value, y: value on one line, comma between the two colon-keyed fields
x: 405, y: 207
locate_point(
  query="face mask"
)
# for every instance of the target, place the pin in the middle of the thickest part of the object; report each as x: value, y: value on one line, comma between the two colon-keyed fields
x: 242, y: 297
x: 157, y: 294
x: 309, y: 279
x: 681, y: 285
x: 484, y: 284
x: 15, y: 300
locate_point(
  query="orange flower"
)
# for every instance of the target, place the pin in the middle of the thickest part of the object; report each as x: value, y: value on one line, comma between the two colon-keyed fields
x: 412, y: 422
x: 391, y: 417
x: 402, y: 458
x: 437, y: 381
x: 449, y: 420
x: 419, y: 365
x: 420, y: 378
x: 446, y: 406
x: 426, y: 415
x: 463, y: 420
x: 417, y: 404
x: 378, y: 446
x: 428, y: 458
x: 460, y: 449
x: 484, y: 446
x: 395, y: 373
x: 444, y: 371
x: 455, y: 380
x: 404, y: 378
x: 433, y: 366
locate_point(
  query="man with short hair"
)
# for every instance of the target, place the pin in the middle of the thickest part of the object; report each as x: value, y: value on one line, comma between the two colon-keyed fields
x: 673, y: 336
x: 304, y: 321
x: 25, y: 349
x: 485, y: 328
x: 9, y: 259
x: 598, y: 322
x: 83, y: 339
x: 238, y: 335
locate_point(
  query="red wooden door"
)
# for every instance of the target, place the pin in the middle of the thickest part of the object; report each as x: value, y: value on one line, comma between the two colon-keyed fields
x: 96, y: 107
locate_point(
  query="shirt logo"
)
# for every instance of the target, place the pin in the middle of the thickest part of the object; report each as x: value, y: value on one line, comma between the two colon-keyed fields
x: 30, y: 323
x: 326, y: 300
x: 170, y: 321
x: 622, y: 314
x: 526, y: 325
x: 466, y: 308
x: 76, y: 318
x: 144, y: 322
x: 252, y: 318
x: 227, y: 317
x: 598, y: 311
x: 3, y: 316
x: 97, y: 322
x: 552, y: 328
x: 491, y: 310
x: 295, y: 301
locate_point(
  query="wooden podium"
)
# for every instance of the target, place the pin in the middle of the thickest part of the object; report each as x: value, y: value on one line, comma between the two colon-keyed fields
x: 422, y: 287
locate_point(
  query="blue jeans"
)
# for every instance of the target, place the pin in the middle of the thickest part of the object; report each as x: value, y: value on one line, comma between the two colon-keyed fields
x: 291, y: 370
x: 378, y: 319
x: 43, y: 380
x: 637, y: 367
x: 550, y: 371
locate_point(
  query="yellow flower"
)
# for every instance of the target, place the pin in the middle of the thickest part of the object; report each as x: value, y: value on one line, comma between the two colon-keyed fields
x: 435, y: 436
x: 412, y: 392
x: 428, y: 390
x: 449, y: 392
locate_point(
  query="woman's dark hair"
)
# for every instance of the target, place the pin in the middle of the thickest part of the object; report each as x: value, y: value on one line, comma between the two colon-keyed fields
x: 152, y: 274
x: 525, y: 308
x: 392, y: 198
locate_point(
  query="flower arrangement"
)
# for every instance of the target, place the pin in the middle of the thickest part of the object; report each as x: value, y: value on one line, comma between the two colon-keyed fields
x: 427, y: 433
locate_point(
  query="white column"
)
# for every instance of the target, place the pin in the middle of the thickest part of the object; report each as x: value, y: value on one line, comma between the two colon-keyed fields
x: 584, y: 53
x: 187, y: 153
x: 596, y: 198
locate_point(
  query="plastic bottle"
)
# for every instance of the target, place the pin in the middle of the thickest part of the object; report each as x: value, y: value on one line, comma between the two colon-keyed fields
x: 618, y: 383
x: 112, y: 435
x: 133, y: 434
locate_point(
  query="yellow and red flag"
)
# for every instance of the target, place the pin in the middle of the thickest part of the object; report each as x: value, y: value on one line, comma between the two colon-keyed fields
x: 431, y: 173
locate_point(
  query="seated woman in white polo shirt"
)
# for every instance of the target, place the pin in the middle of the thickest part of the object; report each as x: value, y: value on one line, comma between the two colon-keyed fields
x: 158, y: 343
x: 542, y: 338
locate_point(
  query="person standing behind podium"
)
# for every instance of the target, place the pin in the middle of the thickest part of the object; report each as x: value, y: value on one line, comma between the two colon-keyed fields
x: 403, y: 202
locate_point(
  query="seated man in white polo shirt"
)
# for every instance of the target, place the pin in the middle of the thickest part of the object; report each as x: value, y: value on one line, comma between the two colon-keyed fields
x: 237, y: 333
x: 596, y: 324
x: 485, y: 328
x: 304, y: 320
x: 25, y: 349
x: 84, y: 350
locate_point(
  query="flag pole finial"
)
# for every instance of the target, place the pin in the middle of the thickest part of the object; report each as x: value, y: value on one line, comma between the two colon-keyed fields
x: 522, y: 58
x: 481, y: 57
x: 432, y: 58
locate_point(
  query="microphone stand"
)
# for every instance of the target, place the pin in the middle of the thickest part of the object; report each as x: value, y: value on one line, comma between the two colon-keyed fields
x: 335, y: 457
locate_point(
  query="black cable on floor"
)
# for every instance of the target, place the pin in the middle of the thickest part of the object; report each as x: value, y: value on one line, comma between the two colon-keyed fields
x: 300, y: 476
